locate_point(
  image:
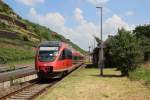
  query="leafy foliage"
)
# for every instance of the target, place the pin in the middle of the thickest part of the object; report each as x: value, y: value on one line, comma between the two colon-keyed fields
x: 43, y: 32
x: 143, y: 34
x: 3, y: 25
x: 123, y: 51
x: 25, y: 38
x: 4, y: 8
x: 143, y: 30
x: 97, y: 40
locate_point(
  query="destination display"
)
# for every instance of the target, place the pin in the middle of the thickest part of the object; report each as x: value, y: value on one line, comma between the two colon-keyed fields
x: 48, y: 48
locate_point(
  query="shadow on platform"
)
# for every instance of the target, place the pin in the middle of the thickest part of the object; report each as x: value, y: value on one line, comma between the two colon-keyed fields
x: 94, y: 66
x: 104, y: 75
x: 107, y: 75
x: 91, y: 66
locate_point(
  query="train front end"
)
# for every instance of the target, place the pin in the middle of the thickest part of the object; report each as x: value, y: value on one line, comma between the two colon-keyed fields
x: 46, y: 58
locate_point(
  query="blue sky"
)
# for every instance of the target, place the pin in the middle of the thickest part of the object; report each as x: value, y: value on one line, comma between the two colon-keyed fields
x: 78, y: 20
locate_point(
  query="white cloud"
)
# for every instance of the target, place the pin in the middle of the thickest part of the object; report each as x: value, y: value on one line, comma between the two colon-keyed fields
x: 101, y: 3
x: 112, y: 24
x: 32, y: 12
x: 98, y: 2
x: 78, y: 15
x: 30, y: 2
x: 83, y: 33
x: 129, y: 13
x: 53, y: 20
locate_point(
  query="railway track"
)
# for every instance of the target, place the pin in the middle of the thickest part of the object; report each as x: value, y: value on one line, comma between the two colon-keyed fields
x: 30, y: 91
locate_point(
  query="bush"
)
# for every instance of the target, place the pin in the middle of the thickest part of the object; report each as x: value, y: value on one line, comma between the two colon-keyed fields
x: 3, y: 25
x: 12, y: 67
x: 2, y: 60
x: 123, y: 51
x: 142, y: 33
x: 25, y: 38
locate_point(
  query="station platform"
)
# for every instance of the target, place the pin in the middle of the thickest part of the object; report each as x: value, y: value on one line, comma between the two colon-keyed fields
x: 5, y: 76
x: 86, y: 83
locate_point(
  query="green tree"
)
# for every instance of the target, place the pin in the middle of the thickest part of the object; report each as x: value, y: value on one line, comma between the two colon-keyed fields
x: 98, y: 40
x: 143, y: 34
x: 123, y: 51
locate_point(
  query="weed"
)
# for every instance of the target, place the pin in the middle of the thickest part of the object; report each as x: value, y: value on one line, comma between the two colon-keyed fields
x: 12, y: 67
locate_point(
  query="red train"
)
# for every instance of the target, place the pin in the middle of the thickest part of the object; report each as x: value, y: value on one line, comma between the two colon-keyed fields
x: 55, y: 58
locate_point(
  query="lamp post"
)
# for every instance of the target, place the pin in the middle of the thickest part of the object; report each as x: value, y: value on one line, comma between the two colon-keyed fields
x: 101, y: 55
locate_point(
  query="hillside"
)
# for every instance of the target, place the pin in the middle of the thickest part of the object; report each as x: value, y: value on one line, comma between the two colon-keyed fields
x: 22, y: 34
x: 5, y: 9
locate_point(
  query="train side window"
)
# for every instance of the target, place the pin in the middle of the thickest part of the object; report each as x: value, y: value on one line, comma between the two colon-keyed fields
x: 63, y: 55
x: 68, y: 54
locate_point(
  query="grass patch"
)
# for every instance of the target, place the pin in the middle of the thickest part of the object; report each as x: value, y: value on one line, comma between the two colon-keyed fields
x: 14, y: 51
x: 6, y: 42
x: 28, y: 61
x: 13, y: 54
x: 141, y: 74
x: 86, y: 84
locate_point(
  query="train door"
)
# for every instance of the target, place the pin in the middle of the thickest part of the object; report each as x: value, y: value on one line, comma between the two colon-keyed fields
x: 65, y: 59
x: 68, y: 54
x: 62, y: 60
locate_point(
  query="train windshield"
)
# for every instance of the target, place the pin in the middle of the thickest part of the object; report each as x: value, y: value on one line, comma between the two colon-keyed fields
x: 47, y: 54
